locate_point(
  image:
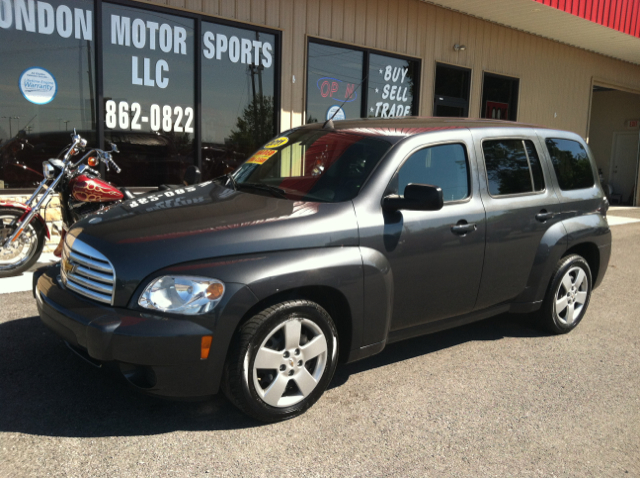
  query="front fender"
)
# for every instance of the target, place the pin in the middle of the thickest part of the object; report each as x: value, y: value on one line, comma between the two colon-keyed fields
x: 26, y: 209
x: 258, y: 277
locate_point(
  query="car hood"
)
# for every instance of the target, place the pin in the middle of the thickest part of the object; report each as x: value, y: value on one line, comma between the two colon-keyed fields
x: 207, y: 221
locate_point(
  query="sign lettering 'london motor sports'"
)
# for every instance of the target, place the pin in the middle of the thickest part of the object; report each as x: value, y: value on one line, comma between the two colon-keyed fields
x: 150, y: 35
x: 41, y: 17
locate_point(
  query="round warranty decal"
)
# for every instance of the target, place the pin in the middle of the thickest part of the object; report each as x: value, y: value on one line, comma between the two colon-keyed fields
x: 336, y: 113
x: 38, y: 85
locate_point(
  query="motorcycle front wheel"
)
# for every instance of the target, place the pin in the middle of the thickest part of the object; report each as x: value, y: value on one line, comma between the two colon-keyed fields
x: 23, y: 252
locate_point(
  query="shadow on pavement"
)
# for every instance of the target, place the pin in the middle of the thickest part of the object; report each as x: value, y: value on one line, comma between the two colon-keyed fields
x: 47, y: 390
x: 492, y: 329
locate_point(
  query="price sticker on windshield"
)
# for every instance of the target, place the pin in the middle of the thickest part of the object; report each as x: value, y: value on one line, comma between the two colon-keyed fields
x: 261, y: 156
x: 283, y: 140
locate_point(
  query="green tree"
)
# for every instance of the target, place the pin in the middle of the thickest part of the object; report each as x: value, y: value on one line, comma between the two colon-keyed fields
x: 255, y: 127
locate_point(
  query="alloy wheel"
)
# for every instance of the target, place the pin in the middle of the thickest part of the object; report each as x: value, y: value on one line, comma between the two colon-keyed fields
x: 571, y: 296
x: 290, y: 362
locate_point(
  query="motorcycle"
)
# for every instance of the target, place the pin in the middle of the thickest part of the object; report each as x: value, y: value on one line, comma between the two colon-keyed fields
x: 81, y: 192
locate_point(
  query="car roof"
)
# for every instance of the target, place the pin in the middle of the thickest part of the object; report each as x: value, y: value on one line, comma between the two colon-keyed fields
x: 412, y: 125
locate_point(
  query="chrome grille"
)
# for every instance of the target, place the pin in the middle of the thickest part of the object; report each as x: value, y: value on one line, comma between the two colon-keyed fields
x: 87, y: 271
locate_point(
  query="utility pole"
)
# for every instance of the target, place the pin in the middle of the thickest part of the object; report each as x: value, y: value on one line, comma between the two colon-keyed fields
x: 10, y: 126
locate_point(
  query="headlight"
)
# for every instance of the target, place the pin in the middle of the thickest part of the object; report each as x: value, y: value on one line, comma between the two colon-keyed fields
x: 182, y: 294
x: 48, y: 170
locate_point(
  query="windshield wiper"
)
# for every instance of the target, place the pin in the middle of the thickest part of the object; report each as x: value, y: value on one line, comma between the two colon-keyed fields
x: 274, y: 190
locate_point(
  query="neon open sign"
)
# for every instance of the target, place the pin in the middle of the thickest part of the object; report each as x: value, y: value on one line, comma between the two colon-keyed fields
x: 333, y: 88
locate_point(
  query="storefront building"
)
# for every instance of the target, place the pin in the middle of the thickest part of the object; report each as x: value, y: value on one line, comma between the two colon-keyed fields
x: 206, y: 82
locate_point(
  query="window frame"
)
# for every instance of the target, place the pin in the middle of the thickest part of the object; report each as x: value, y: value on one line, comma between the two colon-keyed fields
x: 364, y: 85
x: 451, y: 101
x: 506, y: 77
x: 515, y: 195
x: 390, y: 190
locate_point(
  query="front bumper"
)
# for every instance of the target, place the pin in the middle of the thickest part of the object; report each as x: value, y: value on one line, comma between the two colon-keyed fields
x: 159, y: 355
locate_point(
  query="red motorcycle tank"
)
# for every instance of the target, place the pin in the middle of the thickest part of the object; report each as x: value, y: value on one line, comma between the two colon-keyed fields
x: 93, y: 190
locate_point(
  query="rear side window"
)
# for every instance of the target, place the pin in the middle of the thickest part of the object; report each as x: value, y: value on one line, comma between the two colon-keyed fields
x: 571, y: 164
x: 513, y: 167
x: 445, y: 166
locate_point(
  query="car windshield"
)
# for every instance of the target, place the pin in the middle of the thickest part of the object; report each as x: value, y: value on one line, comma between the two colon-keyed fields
x: 312, y: 165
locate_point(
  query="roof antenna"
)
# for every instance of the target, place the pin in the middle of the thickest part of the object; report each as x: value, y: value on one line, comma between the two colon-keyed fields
x: 328, y: 125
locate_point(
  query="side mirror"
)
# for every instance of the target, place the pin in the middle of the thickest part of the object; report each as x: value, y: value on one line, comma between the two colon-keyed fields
x: 192, y: 175
x: 416, y: 197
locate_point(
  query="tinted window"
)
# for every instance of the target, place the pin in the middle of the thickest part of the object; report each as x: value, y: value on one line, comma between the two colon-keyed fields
x: 571, y: 164
x: 444, y: 166
x: 507, y: 167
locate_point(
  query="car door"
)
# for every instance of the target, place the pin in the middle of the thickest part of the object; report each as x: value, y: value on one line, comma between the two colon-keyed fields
x: 521, y: 206
x: 435, y: 256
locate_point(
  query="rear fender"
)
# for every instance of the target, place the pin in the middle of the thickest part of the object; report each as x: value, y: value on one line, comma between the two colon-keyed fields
x: 26, y: 209
x: 561, y: 237
x: 551, y: 248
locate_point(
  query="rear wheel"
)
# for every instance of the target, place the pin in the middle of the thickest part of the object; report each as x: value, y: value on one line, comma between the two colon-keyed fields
x: 568, y: 295
x: 282, y: 360
x: 23, y: 252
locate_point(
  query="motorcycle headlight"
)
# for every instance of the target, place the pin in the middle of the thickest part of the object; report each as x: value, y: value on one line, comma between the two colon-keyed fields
x: 182, y: 294
x: 48, y: 170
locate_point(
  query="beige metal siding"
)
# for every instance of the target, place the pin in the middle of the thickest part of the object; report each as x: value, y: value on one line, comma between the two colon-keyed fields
x: 555, y: 79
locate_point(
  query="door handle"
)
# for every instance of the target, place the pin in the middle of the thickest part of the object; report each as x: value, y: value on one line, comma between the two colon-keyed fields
x: 544, y: 215
x: 463, y: 228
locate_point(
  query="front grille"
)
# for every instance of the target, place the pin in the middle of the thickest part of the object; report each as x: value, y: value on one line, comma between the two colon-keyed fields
x: 87, y: 271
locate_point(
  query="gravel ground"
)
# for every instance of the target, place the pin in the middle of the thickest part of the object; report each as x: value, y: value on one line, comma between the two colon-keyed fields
x: 496, y: 398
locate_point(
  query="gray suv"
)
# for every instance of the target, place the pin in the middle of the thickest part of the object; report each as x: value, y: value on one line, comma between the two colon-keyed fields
x: 329, y: 243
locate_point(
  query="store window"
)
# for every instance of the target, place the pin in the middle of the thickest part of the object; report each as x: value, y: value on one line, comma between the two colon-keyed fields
x: 47, y: 84
x: 499, y: 97
x: 334, y: 77
x: 346, y: 83
x: 239, y: 106
x: 163, y: 117
x: 149, y: 94
x: 392, y: 87
x: 451, y: 95
x: 513, y: 167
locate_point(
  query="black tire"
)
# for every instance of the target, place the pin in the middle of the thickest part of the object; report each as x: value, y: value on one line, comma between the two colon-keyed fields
x: 38, y: 231
x: 567, y: 287
x: 255, y: 391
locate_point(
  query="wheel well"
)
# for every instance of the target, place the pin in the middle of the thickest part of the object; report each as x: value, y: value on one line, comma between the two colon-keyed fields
x: 590, y: 253
x: 332, y: 300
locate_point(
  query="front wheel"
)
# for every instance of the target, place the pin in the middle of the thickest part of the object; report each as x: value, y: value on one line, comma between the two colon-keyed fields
x: 23, y: 252
x: 281, y: 361
x: 568, y: 295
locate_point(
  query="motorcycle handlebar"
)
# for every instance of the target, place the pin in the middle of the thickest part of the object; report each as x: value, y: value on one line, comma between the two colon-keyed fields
x: 113, y: 163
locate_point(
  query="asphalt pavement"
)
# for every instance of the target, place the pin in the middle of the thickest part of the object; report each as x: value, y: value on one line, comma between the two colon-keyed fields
x: 495, y: 398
